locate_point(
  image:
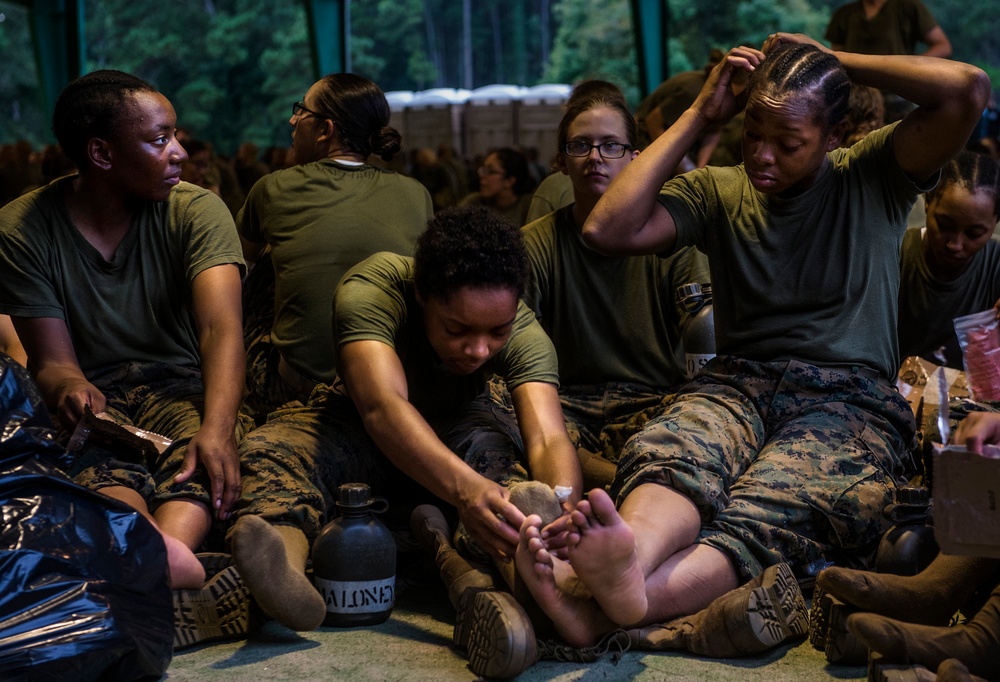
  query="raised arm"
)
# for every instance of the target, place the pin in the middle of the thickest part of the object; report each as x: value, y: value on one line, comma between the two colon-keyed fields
x: 57, y: 372
x: 950, y: 98
x: 376, y: 382
x: 628, y: 219
x: 218, y: 319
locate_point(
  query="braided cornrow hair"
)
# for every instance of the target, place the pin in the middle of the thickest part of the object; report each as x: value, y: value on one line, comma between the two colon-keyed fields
x: 973, y: 172
x: 808, y: 70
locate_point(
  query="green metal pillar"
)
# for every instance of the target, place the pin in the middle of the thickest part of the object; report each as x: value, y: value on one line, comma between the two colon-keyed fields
x: 57, y: 34
x: 650, y: 20
x: 328, y: 25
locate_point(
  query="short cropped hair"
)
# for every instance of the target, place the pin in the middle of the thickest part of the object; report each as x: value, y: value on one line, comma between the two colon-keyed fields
x: 469, y: 246
x: 93, y: 106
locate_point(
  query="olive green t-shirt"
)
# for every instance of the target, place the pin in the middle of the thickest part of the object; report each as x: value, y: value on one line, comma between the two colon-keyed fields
x: 516, y: 213
x: 813, y: 278
x: 321, y: 219
x: 611, y: 318
x: 376, y: 301
x: 554, y: 192
x: 896, y: 29
x: 928, y: 306
x: 138, y: 305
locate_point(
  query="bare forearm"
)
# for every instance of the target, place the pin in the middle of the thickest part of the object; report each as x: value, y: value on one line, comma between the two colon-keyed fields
x: 558, y: 465
x: 52, y: 380
x: 938, y: 44
x: 939, y: 50
x: 926, y: 81
x: 223, y: 367
x: 409, y: 442
x: 617, y: 223
x: 552, y: 458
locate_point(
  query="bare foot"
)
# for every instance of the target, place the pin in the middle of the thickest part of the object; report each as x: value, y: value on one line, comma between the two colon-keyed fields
x: 186, y: 572
x: 578, y: 621
x: 602, y: 553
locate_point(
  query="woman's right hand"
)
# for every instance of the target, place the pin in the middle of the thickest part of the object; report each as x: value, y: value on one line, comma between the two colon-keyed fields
x: 74, y: 395
x: 490, y: 517
x: 719, y: 100
x: 978, y: 429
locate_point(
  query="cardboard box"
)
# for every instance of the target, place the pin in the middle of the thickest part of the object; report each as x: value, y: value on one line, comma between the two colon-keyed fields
x: 966, y: 504
x: 918, y: 381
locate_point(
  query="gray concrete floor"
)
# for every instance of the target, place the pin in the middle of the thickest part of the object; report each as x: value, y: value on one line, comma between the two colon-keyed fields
x: 415, y: 644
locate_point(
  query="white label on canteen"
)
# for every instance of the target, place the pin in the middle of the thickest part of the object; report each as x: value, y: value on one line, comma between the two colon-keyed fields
x: 695, y: 361
x: 357, y: 596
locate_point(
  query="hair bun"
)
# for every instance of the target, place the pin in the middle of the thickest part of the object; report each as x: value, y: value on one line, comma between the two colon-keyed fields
x: 386, y: 143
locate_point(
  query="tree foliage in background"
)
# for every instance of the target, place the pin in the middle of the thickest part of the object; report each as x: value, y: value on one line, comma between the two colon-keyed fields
x: 232, y: 68
x: 594, y: 40
x: 21, y: 115
x: 420, y: 44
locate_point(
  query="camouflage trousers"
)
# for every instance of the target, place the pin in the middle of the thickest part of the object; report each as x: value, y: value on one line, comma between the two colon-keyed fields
x: 600, y: 418
x: 165, y: 399
x: 265, y: 389
x: 293, y: 464
x: 785, y: 461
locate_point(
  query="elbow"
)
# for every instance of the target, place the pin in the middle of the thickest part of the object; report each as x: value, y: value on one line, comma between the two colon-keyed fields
x: 595, y: 235
x: 604, y: 243
x: 975, y: 86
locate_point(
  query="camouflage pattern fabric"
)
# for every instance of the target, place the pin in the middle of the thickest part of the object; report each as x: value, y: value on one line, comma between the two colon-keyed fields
x: 600, y: 418
x: 294, y: 463
x: 266, y: 390
x: 785, y: 461
x: 165, y: 399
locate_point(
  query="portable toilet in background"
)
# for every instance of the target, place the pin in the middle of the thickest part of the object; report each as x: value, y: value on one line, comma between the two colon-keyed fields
x: 431, y: 117
x: 539, y: 112
x: 491, y: 119
x: 398, y: 101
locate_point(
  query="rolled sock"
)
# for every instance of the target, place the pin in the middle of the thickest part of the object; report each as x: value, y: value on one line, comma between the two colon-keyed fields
x: 976, y: 644
x: 930, y: 597
x: 272, y: 562
x: 953, y: 670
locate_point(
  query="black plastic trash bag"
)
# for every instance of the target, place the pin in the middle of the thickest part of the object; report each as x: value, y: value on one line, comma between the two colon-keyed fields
x: 83, y: 579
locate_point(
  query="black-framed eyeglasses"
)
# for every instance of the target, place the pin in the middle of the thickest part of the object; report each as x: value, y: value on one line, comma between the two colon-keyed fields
x: 607, y: 150
x: 299, y: 107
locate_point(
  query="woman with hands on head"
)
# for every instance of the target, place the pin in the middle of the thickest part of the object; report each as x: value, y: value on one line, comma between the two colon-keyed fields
x: 784, y: 450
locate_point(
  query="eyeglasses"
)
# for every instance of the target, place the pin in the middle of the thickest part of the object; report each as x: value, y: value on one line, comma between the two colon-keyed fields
x: 607, y: 150
x: 299, y: 107
x: 486, y: 170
